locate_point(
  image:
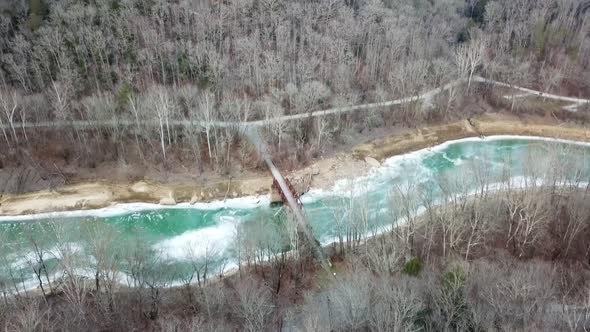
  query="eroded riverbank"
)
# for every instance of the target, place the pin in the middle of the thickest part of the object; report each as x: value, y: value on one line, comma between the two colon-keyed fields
x: 486, y: 125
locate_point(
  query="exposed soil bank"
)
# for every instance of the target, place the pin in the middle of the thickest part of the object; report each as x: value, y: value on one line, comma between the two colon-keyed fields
x: 321, y: 174
x: 486, y: 125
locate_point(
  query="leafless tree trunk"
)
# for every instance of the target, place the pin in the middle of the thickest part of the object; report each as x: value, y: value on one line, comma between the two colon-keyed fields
x: 254, y: 304
x: 101, y: 240
x: 469, y: 57
x: 163, y: 107
x: 207, y: 116
x: 133, y: 106
x: 9, y: 104
x: 527, y: 218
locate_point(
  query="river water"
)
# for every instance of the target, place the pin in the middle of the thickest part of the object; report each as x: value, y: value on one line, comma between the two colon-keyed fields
x: 185, y: 234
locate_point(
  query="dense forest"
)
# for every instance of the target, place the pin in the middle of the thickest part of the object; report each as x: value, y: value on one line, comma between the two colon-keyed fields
x: 131, y: 60
x: 504, y: 257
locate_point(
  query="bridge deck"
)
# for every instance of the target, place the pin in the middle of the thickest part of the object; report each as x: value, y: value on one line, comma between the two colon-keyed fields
x: 288, y: 195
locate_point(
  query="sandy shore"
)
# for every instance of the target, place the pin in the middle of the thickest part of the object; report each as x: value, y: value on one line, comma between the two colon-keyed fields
x: 322, y: 174
x: 487, y: 125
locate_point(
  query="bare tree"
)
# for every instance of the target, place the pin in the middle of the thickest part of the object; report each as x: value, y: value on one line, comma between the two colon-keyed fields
x: 163, y: 107
x: 517, y: 296
x: 254, y: 305
x: 324, y: 129
x: 158, y: 273
x: 577, y: 318
x: 449, y: 217
x: 349, y: 302
x: 469, y: 57
x: 32, y: 318
x: 215, y: 301
x: 206, y: 115
x: 405, y: 200
x: 200, y: 260
x: 102, y: 108
x: 528, y: 216
x: 577, y: 222
x: 449, y: 297
x: 9, y: 102
x: 397, y: 303
x: 101, y: 240
x: 134, y: 107
x: 71, y: 282
x: 8, y: 274
x: 190, y: 99
x: 38, y: 263
x: 60, y: 95
x: 316, y: 314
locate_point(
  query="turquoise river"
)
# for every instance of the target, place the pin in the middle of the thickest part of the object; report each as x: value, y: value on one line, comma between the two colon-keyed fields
x: 189, y: 233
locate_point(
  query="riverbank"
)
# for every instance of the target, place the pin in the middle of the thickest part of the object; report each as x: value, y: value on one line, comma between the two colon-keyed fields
x: 485, y: 125
x: 321, y: 174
